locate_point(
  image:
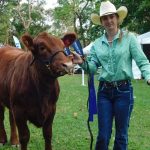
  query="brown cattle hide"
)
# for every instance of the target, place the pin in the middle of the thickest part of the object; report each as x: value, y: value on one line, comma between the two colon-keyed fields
x: 29, y: 85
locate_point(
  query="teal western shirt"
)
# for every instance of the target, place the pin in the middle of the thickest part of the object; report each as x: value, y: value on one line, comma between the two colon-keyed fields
x: 116, y: 60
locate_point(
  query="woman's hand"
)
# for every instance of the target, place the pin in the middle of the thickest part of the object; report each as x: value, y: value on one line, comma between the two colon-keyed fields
x: 77, y: 59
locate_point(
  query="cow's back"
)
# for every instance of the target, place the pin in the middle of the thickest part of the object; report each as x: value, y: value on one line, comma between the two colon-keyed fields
x: 13, y: 63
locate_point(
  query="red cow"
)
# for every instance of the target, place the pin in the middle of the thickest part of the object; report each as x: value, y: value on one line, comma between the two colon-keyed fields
x: 29, y: 86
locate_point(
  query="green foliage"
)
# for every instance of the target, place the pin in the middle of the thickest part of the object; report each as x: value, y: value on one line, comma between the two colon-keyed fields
x: 11, y: 23
x: 73, y: 13
x: 70, y: 132
x: 70, y: 15
x: 38, y: 20
x: 5, y: 17
x: 138, y: 18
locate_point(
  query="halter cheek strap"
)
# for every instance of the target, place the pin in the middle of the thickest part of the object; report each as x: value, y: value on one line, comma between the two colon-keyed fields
x: 47, y: 62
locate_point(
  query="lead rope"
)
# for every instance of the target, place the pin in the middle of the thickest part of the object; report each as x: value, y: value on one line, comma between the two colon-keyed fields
x: 88, y: 121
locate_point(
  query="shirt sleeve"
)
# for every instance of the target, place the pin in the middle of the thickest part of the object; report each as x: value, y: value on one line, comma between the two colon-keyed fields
x: 139, y: 57
x: 91, y: 63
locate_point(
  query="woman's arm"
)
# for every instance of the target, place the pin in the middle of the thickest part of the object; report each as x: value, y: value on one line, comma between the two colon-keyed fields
x: 140, y: 58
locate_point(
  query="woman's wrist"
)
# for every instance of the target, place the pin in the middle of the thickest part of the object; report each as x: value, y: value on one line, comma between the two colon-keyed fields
x: 77, y: 59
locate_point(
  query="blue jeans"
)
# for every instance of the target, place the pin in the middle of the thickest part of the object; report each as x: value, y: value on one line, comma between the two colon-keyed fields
x: 117, y: 103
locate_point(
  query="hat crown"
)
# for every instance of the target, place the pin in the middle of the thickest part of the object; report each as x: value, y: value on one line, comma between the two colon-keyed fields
x: 106, y: 8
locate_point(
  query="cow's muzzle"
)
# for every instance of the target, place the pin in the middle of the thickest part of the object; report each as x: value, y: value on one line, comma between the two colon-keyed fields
x: 68, y: 67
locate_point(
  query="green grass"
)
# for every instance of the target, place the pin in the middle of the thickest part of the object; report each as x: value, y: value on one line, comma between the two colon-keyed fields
x: 71, y: 133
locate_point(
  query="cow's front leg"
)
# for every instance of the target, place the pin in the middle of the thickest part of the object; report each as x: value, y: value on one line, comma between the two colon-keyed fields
x: 3, y: 136
x: 13, y: 136
x: 47, y: 132
x: 23, y: 131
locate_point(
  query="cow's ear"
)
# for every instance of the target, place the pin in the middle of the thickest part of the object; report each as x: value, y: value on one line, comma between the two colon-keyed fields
x: 27, y: 40
x: 69, y: 38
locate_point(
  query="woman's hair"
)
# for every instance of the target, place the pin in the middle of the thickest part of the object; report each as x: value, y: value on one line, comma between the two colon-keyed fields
x: 120, y: 36
x: 121, y: 33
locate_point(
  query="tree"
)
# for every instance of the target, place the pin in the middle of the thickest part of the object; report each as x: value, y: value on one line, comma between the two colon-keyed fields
x: 70, y: 15
x: 16, y: 19
x: 30, y: 18
x: 138, y: 19
x: 24, y: 13
x: 74, y: 15
x: 5, y: 17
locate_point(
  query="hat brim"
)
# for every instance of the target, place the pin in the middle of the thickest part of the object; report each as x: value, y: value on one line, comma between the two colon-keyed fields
x: 122, y: 13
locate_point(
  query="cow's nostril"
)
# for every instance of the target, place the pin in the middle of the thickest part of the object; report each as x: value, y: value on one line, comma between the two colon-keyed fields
x: 64, y: 65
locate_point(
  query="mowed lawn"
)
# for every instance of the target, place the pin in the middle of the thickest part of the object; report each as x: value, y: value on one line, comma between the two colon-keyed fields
x: 70, y: 124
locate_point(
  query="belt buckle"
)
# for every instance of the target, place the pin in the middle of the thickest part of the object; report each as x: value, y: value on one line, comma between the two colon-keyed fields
x: 107, y: 86
x: 115, y: 84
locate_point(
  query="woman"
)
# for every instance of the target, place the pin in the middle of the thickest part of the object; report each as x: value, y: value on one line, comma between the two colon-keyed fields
x: 114, y: 51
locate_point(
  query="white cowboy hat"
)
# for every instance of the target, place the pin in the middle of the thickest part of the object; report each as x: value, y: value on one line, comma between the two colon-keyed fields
x: 107, y: 8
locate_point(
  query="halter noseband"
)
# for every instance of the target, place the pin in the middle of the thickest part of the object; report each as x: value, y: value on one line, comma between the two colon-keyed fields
x: 47, y: 62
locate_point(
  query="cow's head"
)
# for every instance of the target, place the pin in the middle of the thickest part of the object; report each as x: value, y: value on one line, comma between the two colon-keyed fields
x: 49, y: 51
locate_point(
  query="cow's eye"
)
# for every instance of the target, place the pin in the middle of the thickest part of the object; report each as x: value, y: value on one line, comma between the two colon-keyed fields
x: 42, y: 48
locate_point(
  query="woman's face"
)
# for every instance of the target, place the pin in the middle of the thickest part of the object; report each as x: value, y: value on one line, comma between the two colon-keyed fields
x: 109, y: 22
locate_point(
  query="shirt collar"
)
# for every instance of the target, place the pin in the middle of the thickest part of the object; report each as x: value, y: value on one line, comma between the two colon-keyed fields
x: 104, y: 38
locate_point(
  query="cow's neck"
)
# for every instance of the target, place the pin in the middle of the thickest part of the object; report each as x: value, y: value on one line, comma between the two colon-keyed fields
x: 47, y: 88
x: 44, y: 69
x: 44, y: 77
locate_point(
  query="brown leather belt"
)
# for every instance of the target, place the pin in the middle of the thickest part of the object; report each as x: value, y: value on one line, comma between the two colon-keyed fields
x: 114, y: 83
